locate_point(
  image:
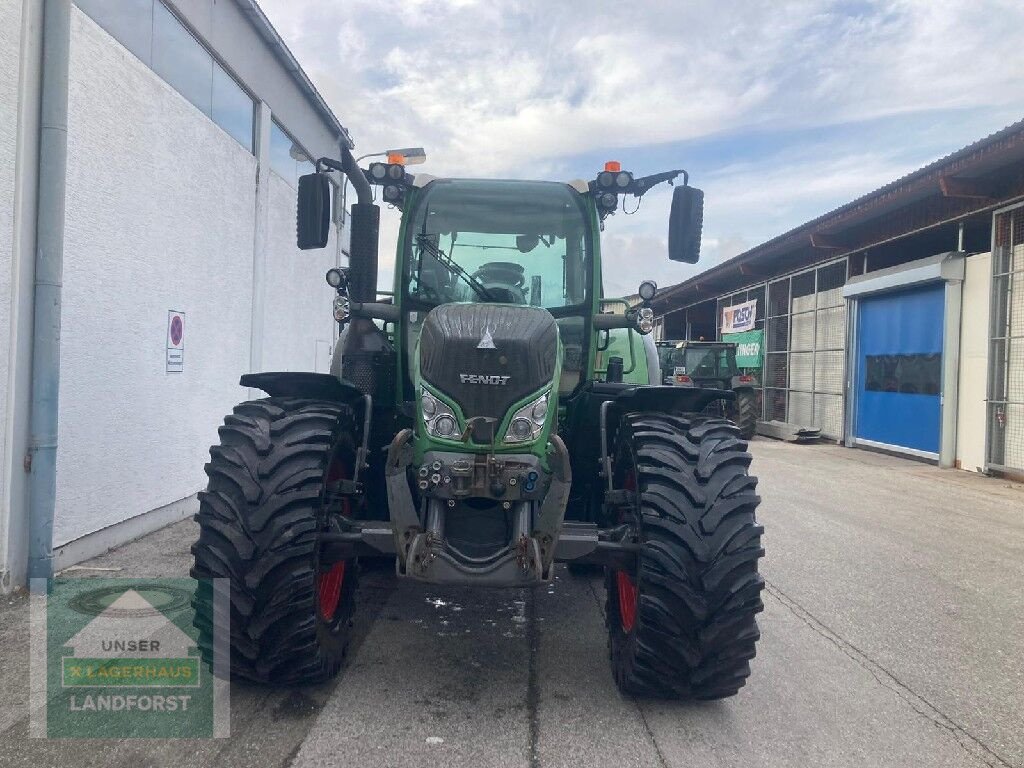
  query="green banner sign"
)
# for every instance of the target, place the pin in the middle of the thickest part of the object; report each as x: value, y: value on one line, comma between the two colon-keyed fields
x: 748, y: 347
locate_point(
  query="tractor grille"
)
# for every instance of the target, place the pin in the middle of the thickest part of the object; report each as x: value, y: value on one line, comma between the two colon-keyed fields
x: 488, y: 356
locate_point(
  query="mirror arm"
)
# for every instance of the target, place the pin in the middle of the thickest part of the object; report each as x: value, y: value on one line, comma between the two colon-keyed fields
x: 644, y: 183
x: 350, y: 168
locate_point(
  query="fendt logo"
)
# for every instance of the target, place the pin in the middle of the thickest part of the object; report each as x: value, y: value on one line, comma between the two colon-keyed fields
x: 478, y: 378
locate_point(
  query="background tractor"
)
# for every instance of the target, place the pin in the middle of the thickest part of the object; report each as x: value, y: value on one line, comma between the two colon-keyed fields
x: 712, y: 365
x: 483, y: 421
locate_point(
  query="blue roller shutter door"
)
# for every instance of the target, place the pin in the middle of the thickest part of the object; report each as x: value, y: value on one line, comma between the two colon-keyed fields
x: 899, y: 370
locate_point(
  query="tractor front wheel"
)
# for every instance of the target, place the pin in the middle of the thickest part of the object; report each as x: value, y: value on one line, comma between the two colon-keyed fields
x: 682, y: 625
x: 260, y: 523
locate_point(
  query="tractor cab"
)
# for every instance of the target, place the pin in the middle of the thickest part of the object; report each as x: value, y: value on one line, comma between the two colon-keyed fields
x: 523, y: 244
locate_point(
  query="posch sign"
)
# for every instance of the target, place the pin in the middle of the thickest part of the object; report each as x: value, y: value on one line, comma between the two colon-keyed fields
x: 739, y: 317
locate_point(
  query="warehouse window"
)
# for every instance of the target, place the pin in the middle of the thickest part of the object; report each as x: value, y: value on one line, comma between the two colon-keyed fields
x: 287, y: 158
x: 128, y: 21
x: 180, y: 60
x: 233, y: 109
x: 905, y: 374
x: 155, y: 35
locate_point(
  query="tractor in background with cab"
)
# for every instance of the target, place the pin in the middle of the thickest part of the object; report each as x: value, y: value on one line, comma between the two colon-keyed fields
x: 712, y: 365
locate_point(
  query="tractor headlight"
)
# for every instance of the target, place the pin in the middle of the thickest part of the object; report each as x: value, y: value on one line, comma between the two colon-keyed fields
x: 336, y: 278
x: 341, y: 308
x: 647, y: 290
x: 429, y: 405
x: 528, y: 421
x: 520, y: 429
x: 444, y: 425
x: 438, y: 418
x: 645, y: 320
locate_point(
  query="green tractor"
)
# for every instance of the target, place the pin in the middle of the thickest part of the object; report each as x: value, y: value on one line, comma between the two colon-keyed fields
x: 712, y: 365
x: 483, y: 421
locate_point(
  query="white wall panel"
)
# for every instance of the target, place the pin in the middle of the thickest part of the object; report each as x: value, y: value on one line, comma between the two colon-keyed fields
x: 298, y: 316
x: 801, y: 331
x: 974, y: 347
x: 160, y: 215
x: 10, y: 50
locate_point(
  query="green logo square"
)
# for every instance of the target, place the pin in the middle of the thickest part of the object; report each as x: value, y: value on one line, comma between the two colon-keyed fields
x: 120, y: 658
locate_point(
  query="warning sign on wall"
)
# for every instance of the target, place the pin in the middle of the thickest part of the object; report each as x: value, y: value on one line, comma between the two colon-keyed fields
x: 175, y: 341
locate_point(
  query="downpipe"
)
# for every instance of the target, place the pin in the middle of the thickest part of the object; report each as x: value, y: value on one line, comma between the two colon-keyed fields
x: 41, y: 459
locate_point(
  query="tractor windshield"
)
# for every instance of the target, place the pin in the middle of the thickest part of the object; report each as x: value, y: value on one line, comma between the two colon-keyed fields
x: 514, y: 242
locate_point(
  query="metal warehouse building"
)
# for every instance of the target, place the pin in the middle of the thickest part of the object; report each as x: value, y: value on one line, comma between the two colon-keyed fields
x: 895, y: 321
x: 148, y: 165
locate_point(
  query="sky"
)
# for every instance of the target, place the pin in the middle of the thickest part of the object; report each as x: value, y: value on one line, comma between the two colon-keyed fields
x: 780, y: 111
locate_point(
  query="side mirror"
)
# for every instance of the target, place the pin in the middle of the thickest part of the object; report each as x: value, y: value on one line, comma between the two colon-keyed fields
x: 685, y: 224
x: 313, y: 216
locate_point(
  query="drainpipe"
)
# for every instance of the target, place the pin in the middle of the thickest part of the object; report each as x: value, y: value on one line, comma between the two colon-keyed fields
x: 261, y: 240
x: 14, y: 504
x: 49, y: 264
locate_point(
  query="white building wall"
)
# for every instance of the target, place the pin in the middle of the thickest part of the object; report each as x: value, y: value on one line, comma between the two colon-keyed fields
x: 972, y: 418
x: 10, y: 51
x: 160, y: 216
x: 298, y: 326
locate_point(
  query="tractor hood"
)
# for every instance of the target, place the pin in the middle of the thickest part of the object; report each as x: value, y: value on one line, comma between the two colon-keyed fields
x: 487, y: 358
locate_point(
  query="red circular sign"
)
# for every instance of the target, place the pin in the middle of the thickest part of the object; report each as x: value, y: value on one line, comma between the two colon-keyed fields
x: 177, y: 330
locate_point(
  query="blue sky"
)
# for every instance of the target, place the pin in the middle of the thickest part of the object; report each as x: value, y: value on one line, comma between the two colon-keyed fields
x: 780, y: 111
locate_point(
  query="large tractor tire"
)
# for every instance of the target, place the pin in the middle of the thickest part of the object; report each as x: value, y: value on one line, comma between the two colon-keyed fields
x: 745, y: 412
x: 260, y: 520
x: 683, y: 624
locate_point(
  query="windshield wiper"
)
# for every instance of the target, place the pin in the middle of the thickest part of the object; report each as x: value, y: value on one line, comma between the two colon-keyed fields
x: 426, y: 244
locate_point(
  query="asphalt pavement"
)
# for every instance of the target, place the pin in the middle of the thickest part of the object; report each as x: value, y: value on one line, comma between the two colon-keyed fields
x: 893, y: 635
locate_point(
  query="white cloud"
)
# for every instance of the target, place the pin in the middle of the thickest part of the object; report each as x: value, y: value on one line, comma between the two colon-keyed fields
x: 520, y: 87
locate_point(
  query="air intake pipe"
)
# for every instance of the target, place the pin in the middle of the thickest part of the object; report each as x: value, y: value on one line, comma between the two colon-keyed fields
x: 365, y: 235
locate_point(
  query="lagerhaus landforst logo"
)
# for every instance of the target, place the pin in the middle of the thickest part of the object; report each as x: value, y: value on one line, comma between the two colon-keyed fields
x: 120, y: 658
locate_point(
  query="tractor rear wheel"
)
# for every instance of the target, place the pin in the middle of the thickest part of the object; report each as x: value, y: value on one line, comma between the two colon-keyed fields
x: 744, y: 410
x: 260, y: 520
x: 683, y: 624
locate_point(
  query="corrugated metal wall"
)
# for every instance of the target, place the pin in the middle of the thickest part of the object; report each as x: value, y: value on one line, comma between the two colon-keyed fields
x: 804, y: 319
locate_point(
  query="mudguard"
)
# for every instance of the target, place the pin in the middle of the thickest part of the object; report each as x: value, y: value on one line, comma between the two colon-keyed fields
x: 584, y: 434
x: 316, y: 386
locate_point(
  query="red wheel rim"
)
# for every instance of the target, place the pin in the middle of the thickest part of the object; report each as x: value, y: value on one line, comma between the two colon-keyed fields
x: 329, y: 582
x: 626, y: 586
x: 627, y: 600
x: 329, y: 589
